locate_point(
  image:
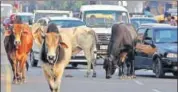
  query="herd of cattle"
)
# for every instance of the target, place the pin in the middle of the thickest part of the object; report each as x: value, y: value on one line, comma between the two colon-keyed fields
x: 58, y: 45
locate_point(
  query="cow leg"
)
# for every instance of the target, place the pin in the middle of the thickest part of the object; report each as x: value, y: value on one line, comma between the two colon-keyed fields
x: 121, y: 70
x: 132, y: 69
x: 27, y: 65
x: 93, y: 61
x: 129, y: 69
x: 88, y: 56
x: 13, y: 64
x: 23, y: 79
x: 48, y: 77
x: 18, y: 72
x: 124, y: 70
x: 23, y: 67
x: 57, y: 80
x: 14, y: 68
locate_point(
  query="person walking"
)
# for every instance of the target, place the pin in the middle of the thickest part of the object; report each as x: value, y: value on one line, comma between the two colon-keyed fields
x: 170, y: 20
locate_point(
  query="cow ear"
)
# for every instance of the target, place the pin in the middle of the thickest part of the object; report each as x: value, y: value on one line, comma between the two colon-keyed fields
x: 63, y: 45
x: 38, y: 36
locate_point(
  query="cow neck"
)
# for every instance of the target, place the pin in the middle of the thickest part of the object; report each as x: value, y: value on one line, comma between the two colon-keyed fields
x: 9, y: 43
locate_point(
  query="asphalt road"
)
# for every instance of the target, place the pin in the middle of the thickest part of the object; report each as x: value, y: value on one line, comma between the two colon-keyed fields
x: 145, y: 81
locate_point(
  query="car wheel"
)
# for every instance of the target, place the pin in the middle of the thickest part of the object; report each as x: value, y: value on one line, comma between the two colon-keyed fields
x: 74, y: 65
x: 91, y: 66
x: 34, y: 62
x: 158, y: 68
x: 175, y: 74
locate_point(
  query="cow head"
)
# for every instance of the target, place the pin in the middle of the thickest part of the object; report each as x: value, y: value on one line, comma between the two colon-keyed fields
x: 50, y: 40
x: 19, y: 30
x: 109, y: 66
x: 53, y: 44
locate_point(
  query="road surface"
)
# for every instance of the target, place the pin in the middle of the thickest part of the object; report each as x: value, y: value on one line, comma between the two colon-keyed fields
x: 145, y: 81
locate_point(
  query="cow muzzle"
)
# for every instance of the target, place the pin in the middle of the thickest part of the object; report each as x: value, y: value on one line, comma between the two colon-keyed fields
x: 51, y: 58
x: 17, y: 43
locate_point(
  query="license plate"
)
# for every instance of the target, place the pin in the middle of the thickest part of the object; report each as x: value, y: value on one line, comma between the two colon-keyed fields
x: 81, y: 53
x: 103, y: 47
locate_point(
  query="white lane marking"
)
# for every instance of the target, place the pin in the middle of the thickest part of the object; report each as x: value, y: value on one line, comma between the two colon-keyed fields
x: 155, y: 90
x: 84, y: 70
x: 138, y: 82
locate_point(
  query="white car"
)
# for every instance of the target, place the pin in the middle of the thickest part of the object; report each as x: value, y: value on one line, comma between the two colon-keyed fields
x: 62, y: 22
x: 52, y: 13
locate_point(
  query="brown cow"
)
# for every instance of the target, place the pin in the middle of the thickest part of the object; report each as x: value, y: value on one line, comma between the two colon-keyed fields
x: 55, y: 55
x: 17, y: 45
x: 82, y: 38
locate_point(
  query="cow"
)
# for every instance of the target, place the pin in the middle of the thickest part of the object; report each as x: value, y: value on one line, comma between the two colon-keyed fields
x: 55, y: 55
x: 121, y: 51
x: 82, y: 38
x: 18, y: 44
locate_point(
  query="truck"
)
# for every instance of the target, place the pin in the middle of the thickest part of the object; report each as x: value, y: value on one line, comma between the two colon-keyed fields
x: 101, y: 18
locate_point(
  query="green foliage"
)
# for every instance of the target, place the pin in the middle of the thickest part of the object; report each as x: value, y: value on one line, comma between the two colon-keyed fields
x: 64, y: 4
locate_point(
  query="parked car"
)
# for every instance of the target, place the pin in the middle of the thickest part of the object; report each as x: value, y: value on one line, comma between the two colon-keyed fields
x: 137, y: 21
x: 62, y: 22
x: 157, y: 49
x: 27, y: 17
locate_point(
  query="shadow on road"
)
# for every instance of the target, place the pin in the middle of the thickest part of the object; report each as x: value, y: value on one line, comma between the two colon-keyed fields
x: 153, y: 76
x: 74, y: 68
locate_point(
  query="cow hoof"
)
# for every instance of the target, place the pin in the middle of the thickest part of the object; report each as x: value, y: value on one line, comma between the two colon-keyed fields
x: 87, y: 74
x: 133, y: 76
x: 129, y: 77
x: 14, y: 82
x: 23, y: 81
x: 108, y: 77
x: 122, y: 77
x: 94, y: 75
x: 69, y: 76
x: 20, y: 83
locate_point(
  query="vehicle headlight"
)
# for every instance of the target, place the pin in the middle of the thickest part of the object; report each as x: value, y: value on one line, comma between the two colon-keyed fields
x: 172, y: 55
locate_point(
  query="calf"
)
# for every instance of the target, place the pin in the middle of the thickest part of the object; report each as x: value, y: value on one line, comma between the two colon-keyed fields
x: 55, y: 55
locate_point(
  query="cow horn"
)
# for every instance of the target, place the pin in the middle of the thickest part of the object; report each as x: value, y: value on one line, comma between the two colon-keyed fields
x: 43, y: 34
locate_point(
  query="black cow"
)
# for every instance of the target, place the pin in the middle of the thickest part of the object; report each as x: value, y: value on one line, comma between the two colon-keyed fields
x: 121, y: 50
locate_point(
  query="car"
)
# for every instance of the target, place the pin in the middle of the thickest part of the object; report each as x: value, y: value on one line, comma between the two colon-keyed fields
x: 27, y: 17
x: 44, y: 13
x: 137, y: 21
x: 62, y: 22
x: 157, y: 49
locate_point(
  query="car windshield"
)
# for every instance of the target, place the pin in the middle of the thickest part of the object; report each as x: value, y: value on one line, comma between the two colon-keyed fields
x: 104, y: 18
x: 137, y: 22
x: 67, y: 23
x: 40, y: 15
x: 26, y: 19
x: 166, y: 36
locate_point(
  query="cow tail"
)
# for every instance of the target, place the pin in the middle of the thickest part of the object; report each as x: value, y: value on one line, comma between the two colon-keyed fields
x: 92, y: 32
